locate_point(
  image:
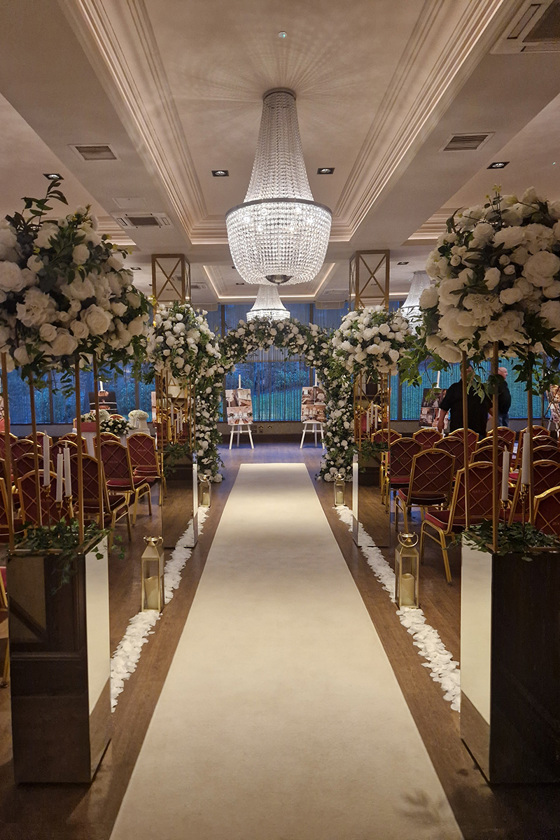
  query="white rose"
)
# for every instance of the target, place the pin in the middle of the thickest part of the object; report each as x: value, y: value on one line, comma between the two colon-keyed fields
x: 552, y: 290
x: 482, y: 234
x: 118, y: 309
x: 80, y: 255
x: 492, y: 278
x: 97, y: 319
x: 79, y: 329
x: 21, y: 355
x: 79, y: 289
x: 12, y: 278
x: 35, y: 264
x: 429, y: 298
x: 509, y: 237
x: 48, y: 332
x: 37, y: 308
x: 510, y: 296
x: 115, y: 261
x: 543, y: 264
x: 46, y: 233
x: 550, y: 313
x: 64, y: 344
x: 133, y: 299
x: 136, y: 327
x: 8, y: 243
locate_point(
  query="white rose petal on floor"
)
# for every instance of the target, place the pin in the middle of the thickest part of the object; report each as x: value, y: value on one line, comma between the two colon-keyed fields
x: 443, y: 668
x: 281, y: 716
x: 125, y: 659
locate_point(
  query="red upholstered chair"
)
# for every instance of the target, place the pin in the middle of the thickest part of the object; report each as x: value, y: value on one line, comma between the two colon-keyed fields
x: 30, y: 505
x: 114, y: 507
x: 472, y: 437
x: 73, y: 437
x: 441, y: 525
x: 144, y: 458
x: 453, y: 445
x: 546, y: 452
x: 401, y: 453
x: 26, y: 463
x: 483, y: 453
x: 538, y: 440
x: 119, y: 477
x: 22, y: 446
x: 430, y: 483
x: 506, y: 438
x: 428, y: 437
x: 109, y: 436
x: 546, y: 475
x: 13, y: 438
x: 547, y: 511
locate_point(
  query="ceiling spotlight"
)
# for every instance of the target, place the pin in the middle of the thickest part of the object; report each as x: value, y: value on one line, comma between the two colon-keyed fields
x: 325, y: 170
x: 403, y: 262
x: 53, y: 176
x: 498, y: 164
x: 282, y: 35
x: 135, y: 268
x: 220, y: 173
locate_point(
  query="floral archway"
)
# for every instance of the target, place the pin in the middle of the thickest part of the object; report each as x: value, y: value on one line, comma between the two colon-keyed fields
x: 369, y: 341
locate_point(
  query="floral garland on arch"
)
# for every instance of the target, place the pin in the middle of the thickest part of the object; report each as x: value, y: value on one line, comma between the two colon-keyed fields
x: 371, y: 341
x: 64, y: 293
x: 181, y: 342
x: 497, y: 279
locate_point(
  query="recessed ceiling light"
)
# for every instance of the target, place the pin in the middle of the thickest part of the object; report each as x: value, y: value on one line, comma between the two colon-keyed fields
x: 220, y: 173
x: 498, y: 164
x: 325, y: 170
x: 403, y: 262
x: 135, y: 268
x: 282, y: 35
x: 53, y: 176
x: 240, y: 284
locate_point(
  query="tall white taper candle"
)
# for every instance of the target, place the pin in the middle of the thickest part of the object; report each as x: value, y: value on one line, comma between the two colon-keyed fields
x: 67, y: 473
x: 239, y: 381
x: 505, y: 476
x: 59, y: 476
x: 46, y: 461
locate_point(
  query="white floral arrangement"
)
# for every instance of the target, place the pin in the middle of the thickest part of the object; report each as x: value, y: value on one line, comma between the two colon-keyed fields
x: 116, y: 425
x: 137, y: 414
x: 496, y: 278
x: 371, y: 341
x: 181, y: 342
x: 90, y: 416
x: 64, y: 292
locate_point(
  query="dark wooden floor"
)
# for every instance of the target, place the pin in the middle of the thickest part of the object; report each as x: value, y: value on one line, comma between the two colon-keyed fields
x: 67, y: 812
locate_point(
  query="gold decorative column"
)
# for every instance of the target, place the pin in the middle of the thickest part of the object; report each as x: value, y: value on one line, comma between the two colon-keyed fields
x: 171, y: 278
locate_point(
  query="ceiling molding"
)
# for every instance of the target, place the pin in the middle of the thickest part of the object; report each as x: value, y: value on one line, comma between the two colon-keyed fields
x: 120, y: 42
x: 398, y: 129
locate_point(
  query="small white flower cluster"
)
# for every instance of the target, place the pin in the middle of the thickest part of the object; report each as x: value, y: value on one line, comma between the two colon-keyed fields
x: 72, y: 295
x: 137, y: 414
x: 371, y: 340
x: 181, y: 342
x: 497, y: 279
x: 116, y: 425
x: 90, y: 416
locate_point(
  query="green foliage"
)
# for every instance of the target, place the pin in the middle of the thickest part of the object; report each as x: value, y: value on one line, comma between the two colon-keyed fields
x: 512, y: 539
x: 172, y: 455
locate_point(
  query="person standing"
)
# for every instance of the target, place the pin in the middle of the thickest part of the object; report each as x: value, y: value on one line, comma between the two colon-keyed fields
x: 504, y: 398
x: 477, y: 408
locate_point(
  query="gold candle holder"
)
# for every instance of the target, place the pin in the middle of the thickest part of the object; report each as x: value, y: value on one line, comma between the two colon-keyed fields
x: 407, y: 571
x: 339, y: 487
x: 152, y: 574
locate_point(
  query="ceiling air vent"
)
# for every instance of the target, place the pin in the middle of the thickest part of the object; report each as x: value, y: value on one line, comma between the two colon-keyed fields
x: 465, y: 142
x: 535, y: 29
x: 143, y: 220
x: 97, y: 152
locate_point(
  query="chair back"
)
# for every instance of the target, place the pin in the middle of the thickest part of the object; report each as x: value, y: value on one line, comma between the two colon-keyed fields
x: 472, y: 437
x: 538, y: 431
x: 427, y: 438
x: 109, y: 436
x: 454, y: 445
x: 506, y: 438
x: 26, y: 463
x: 401, y: 454
x: 538, y: 440
x: 116, y: 461
x: 546, y: 475
x: 480, y: 493
x: 546, y: 453
x: 382, y: 436
x: 23, y: 446
x: 30, y: 505
x: 142, y: 450
x: 432, y: 474
x: 40, y: 436
x: 483, y: 453
x: 73, y: 436
x: 13, y: 438
x: 547, y: 511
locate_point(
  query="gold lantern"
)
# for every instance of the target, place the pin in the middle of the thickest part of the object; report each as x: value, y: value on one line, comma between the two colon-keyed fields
x: 204, y: 490
x: 339, y: 486
x: 407, y: 571
x: 152, y: 574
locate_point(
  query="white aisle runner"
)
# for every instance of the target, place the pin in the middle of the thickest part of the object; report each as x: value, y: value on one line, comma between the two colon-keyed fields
x: 281, y: 718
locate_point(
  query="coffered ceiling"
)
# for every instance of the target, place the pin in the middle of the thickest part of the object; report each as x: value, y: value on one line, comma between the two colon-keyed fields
x: 175, y: 87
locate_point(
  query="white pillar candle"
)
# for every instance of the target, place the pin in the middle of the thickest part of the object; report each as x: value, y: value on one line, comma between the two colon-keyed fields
x: 67, y: 473
x: 437, y: 380
x: 46, y: 461
x: 525, y: 462
x: 505, y: 476
x: 239, y: 381
x: 101, y: 386
x: 315, y: 380
x: 59, y: 476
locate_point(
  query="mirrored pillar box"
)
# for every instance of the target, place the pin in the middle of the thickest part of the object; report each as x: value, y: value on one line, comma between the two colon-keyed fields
x: 60, y: 663
x: 510, y: 665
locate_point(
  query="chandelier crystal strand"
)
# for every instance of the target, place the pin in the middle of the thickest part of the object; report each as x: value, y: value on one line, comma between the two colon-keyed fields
x: 268, y: 305
x: 279, y: 234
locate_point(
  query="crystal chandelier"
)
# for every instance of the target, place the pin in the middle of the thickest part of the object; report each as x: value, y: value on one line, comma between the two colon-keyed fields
x: 268, y: 305
x: 279, y: 234
x: 411, y: 307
